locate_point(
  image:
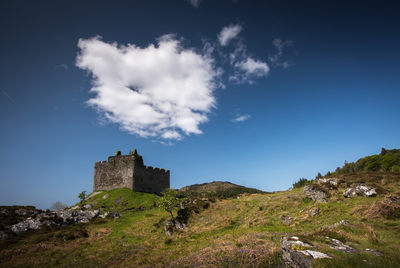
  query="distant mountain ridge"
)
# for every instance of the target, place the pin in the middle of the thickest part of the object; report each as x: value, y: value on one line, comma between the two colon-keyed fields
x: 219, y: 188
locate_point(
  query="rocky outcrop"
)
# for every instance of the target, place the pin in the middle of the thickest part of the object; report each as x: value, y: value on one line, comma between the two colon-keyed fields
x: 28, y: 218
x: 315, y: 193
x: 360, y: 190
x: 76, y: 216
x: 298, y: 254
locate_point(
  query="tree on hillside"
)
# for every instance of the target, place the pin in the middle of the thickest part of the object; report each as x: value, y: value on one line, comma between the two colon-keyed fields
x: 169, y: 200
x: 82, y: 195
x: 58, y: 205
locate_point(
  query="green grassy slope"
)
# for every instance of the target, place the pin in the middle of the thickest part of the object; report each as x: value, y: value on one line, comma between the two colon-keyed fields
x: 121, y: 200
x: 230, y: 233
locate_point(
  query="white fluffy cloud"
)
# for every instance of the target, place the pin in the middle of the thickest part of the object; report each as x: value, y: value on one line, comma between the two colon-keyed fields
x: 162, y: 91
x: 240, y: 118
x: 253, y: 67
x: 228, y: 33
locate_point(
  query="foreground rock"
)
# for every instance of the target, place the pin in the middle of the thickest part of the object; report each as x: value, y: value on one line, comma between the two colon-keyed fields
x: 361, y: 190
x: 298, y: 254
x: 315, y: 193
x: 16, y: 220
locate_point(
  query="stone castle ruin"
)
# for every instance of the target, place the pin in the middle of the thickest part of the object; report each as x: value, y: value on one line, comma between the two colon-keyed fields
x: 128, y: 171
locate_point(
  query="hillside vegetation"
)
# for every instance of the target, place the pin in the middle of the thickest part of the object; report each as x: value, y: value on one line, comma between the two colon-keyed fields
x: 245, y: 231
x: 386, y: 161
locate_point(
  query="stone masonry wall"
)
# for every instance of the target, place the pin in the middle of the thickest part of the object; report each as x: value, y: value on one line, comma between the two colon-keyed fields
x: 117, y: 172
x: 150, y: 180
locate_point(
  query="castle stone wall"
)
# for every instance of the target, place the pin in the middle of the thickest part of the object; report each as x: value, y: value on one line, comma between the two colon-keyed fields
x: 128, y: 171
x: 149, y: 179
x: 117, y: 172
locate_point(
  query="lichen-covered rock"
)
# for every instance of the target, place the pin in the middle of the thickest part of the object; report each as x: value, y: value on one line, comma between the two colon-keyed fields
x: 297, y: 254
x: 361, y: 190
x: 316, y: 194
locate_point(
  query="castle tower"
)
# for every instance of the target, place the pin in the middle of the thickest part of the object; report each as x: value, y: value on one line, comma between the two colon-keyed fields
x: 128, y: 171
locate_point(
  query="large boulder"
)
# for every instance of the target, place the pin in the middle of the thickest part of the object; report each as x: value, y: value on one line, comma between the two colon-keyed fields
x: 313, y: 192
x: 361, y: 190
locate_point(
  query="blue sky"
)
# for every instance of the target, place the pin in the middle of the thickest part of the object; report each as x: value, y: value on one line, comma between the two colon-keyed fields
x: 259, y: 93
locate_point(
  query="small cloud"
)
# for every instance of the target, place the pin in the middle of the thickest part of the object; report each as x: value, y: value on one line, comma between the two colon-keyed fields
x: 8, y: 96
x: 62, y: 66
x: 275, y: 59
x: 253, y: 67
x: 228, y: 33
x: 241, y: 118
x: 195, y: 3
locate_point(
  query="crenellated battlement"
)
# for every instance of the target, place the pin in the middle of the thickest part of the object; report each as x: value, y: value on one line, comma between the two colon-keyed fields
x: 129, y: 171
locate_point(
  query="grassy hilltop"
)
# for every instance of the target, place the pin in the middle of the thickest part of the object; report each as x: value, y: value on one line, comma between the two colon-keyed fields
x: 235, y: 231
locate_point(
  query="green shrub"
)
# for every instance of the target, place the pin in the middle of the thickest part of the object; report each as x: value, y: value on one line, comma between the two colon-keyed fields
x: 300, y: 183
x: 396, y: 169
x: 118, y: 153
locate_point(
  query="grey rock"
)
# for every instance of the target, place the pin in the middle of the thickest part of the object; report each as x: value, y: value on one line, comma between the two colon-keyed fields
x: 105, y: 196
x: 361, y: 190
x: 169, y: 227
x: 113, y: 214
x: 25, y: 225
x: 373, y: 252
x: 314, y: 193
x: 340, y: 223
x: 350, y: 193
x: 76, y: 216
x: 314, y: 212
x: 87, y: 206
x: 338, y: 245
x: 118, y: 200
x: 298, y: 254
x: 179, y: 225
x: 331, y: 181
x: 392, y: 200
x: 25, y: 212
x: 286, y: 219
